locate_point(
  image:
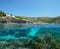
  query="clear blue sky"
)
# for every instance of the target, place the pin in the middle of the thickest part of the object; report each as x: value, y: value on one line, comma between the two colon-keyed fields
x: 31, y: 7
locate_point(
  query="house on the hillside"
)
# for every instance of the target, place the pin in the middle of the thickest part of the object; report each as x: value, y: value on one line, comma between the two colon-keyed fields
x: 10, y: 15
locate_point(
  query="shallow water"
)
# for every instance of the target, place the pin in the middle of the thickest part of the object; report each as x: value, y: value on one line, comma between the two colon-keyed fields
x: 17, y: 31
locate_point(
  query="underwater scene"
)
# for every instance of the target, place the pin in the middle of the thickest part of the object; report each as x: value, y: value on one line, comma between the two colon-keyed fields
x: 29, y: 36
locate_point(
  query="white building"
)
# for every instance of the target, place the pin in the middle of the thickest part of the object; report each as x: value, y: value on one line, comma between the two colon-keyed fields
x: 10, y: 15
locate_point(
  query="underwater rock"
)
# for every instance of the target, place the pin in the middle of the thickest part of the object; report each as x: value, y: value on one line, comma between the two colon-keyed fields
x: 21, y: 32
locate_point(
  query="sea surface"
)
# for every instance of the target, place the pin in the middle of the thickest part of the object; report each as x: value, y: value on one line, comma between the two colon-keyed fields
x: 17, y: 31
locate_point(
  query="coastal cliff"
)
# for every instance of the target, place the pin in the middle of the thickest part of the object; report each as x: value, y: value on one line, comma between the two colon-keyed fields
x: 9, y: 18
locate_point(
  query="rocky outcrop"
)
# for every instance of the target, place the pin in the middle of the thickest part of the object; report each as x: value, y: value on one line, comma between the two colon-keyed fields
x: 11, y: 20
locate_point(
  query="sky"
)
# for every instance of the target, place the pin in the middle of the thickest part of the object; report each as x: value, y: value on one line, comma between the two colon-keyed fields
x: 31, y: 8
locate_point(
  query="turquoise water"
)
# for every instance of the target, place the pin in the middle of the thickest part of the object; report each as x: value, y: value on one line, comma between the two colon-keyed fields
x: 17, y: 31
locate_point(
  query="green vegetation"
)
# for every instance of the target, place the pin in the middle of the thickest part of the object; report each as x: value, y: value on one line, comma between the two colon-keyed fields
x: 47, y: 42
x: 41, y: 19
x: 56, y: 19
x: 18, y: 19
x: 2, y: 14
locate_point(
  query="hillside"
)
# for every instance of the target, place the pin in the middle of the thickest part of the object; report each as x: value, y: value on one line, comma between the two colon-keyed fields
x: 4, y: 18
x: 41, y: 19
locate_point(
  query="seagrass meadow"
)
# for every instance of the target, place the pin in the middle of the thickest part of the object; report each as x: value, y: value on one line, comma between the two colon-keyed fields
x: 29, y: 36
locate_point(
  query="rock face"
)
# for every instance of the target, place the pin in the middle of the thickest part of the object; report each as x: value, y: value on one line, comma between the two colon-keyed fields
x: 9, y: 19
